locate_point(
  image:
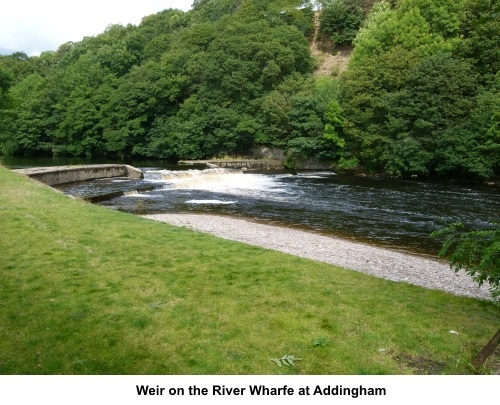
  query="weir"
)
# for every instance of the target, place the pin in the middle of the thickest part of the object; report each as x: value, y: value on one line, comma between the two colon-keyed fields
x: 120, y: 193
x: 68, y: 174
x: 256, y: 164
x: 195, y: 178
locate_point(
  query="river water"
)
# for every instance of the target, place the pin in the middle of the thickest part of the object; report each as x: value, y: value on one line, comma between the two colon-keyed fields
x: 387, y: 212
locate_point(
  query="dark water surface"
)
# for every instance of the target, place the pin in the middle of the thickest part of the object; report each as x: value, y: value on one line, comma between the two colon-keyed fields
x: 394, y: 213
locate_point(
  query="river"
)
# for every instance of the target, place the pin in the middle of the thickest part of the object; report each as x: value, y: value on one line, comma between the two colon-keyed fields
x: 387, y: 212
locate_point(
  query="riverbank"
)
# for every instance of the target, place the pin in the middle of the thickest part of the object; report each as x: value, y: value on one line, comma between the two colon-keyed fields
x: 379, y: 262
x: 90, y: 290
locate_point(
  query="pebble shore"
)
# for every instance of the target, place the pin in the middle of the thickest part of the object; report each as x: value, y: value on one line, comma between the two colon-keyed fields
x: 379, y: 262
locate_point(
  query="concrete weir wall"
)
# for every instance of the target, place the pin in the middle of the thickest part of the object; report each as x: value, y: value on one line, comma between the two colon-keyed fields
x: 69, y: 174
x: 267, y: 164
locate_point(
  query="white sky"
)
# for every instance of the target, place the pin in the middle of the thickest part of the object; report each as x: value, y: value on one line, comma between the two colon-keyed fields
x: 34, y: 26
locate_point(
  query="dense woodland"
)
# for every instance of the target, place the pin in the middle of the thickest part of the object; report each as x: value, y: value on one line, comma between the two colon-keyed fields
x: 420, y: 97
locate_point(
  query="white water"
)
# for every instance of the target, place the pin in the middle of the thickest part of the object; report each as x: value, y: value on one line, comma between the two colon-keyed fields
x: 212, y: 202
x: 135, y: 193
x: 131, y: 193
x: 225, y: 181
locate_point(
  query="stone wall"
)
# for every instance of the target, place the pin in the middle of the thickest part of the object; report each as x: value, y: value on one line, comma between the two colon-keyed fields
x: 311, y: 164
x: 267, y: 153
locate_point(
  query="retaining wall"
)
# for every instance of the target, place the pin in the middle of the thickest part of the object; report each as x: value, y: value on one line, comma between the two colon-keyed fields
x: 69, y: 174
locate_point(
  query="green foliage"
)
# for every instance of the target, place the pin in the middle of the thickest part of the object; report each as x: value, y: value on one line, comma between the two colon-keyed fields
x: 475, y: 252
x: 213, y: 10
x: 5, y: 83
x: 341, y: 20
x: 5, y: 103
x: 334, y: 124
x: 304, y: 117
x: 180, y: 85
x: 17, y: 66
x: 443, y: 16
x: 420, y: 97
x: 479, y: 30
x: 32, y: 126
x: 414, y: 100
x: 347, y: 165
x: 387, y: 28
x: 321, y: 342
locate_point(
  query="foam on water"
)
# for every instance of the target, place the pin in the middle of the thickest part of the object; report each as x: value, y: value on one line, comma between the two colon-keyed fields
x: 137, y: 195
x: 315, y: 175
x: 226, y: 181
x: 213, y: 202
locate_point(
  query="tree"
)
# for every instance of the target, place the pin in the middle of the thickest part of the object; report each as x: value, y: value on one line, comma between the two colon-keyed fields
x: 5, y: 82
x: 476, y: 252
x: 420, y: 96
x: 417, y: 99
x: 443, y: 16
x: 17, y: 65
x: 432, y: 107
x: 341, y: 19
x: 213, y: 10
x: 30, y: 130
x: 480, y: 28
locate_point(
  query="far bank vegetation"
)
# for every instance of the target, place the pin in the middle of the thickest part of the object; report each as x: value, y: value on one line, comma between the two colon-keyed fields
x: 420, y: 96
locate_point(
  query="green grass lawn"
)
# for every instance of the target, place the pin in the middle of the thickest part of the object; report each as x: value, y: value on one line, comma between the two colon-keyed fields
x: 88, y: 290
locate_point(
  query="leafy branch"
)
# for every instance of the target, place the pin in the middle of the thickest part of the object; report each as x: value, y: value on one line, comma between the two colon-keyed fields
x: 475, y: 252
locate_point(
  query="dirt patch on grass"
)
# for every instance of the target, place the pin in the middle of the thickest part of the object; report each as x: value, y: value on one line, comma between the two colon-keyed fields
x: 424, y: 365
x: 420, y: 364
x: 492, y: 364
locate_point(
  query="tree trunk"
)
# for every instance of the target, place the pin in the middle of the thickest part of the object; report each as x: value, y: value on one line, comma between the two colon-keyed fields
x: 487, y: 350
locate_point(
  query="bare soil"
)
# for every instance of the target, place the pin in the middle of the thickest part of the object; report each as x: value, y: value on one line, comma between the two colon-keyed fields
x: 330, y: 59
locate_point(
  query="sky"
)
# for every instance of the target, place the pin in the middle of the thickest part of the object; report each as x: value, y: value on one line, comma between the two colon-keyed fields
x: 34, y: 26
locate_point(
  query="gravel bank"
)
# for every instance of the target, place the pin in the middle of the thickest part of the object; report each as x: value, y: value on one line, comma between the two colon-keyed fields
x: 379, y: 262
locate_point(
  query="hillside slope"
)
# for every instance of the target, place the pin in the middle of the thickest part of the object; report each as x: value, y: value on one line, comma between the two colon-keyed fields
x: 329, y: 59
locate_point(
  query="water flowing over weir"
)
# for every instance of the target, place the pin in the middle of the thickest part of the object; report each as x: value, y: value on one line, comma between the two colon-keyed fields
x: 191, y: 178
x: 228, y: 181
x: 393, y: 213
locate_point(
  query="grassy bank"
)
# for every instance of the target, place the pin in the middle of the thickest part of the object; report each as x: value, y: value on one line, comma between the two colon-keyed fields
x: 87, y: 290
